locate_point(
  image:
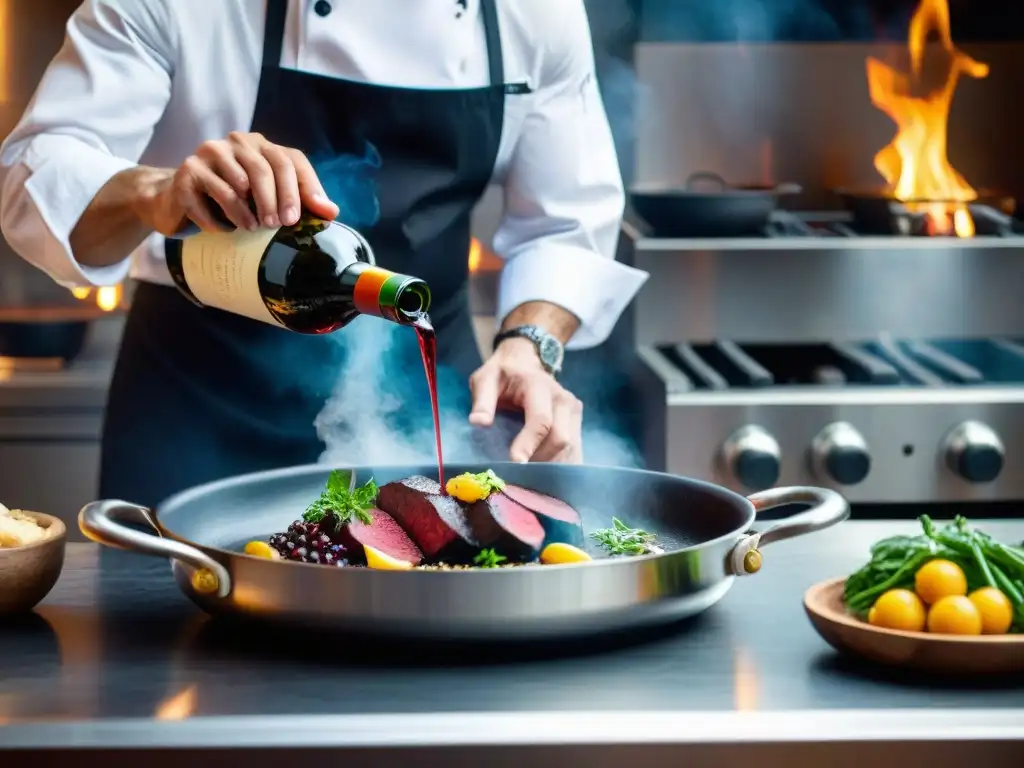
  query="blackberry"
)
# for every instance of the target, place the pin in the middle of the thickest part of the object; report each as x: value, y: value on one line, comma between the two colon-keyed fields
x: 307, y: 543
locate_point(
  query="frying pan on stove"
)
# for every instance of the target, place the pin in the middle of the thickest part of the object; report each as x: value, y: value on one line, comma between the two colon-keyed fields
x: 707, y: 206
x: 708, y: 533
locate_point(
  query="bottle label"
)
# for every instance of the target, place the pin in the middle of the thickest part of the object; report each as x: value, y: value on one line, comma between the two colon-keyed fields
x: 222, y: 270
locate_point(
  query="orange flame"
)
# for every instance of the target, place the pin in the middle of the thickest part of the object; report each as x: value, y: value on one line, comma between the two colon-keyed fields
x: 475, y: 253
x: 915, y: 163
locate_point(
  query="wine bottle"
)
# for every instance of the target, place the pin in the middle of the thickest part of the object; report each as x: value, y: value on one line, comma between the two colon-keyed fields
x: 315, y: 276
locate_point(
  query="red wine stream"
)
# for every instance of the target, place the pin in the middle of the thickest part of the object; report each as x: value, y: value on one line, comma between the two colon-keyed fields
x: 428, y: 351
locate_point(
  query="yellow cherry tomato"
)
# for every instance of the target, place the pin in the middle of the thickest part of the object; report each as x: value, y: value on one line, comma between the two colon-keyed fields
x: 937, y: 579
x: 261, y: 549
x: 382, y: 561
x: 954, y: 615
x: 995, y: 608
x: 467, y: 488
x: 898, y: 609
x: 558, y: 553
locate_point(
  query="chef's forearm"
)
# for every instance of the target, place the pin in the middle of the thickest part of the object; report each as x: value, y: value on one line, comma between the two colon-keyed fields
x: 557, y: 321
x: 112, y: 225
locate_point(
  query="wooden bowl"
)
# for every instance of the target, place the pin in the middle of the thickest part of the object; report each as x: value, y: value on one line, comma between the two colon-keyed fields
x: 945, y: 654
x: 27, y: 574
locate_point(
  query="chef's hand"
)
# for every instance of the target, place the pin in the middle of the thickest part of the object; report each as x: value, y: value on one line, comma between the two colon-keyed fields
x: 280, y: 180
x: 514, y: 379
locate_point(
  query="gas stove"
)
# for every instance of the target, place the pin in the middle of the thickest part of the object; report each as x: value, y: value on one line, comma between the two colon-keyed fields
x: 888, y: 367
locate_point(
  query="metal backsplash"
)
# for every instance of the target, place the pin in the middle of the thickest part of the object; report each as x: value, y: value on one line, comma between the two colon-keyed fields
x: 801, y: 112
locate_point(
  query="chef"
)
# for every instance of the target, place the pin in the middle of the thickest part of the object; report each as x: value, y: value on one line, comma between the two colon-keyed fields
x: 153, y: 105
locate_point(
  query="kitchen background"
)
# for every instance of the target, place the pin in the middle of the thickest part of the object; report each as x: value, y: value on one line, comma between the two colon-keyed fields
x: 813, y: 350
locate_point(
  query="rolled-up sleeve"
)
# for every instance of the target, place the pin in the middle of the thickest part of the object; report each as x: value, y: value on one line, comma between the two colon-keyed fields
x: 91, y: 117
x: 564, y: 197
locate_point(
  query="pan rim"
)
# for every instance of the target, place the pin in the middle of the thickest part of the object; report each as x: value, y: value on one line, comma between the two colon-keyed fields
x: 190, y: 494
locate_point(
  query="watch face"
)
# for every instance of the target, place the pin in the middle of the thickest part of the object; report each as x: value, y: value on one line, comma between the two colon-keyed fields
x: 551, y: 352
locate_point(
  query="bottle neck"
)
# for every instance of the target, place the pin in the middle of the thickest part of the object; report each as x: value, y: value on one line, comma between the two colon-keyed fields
x: 380, y: 292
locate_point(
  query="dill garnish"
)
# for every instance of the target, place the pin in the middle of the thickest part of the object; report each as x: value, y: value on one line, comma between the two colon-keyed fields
x: 620, y: 539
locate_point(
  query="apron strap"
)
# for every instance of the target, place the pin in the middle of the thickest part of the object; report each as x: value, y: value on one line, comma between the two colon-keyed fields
x: 273, y: 32
x: 277, y: 14
x: 492, y: 34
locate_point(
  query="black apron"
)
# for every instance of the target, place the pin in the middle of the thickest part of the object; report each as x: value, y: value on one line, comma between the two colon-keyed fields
x: 200, y: 394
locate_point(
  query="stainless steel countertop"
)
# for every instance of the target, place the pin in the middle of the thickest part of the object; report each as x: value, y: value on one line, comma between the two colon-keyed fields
x: 117, y: 659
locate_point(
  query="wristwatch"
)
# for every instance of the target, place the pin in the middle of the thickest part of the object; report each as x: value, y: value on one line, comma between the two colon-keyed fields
x: 550, y: 349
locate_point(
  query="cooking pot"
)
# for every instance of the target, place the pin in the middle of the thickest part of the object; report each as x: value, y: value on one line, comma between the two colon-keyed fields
x: 707, y: 206
x: 45, y: 332
x: 707, y: 533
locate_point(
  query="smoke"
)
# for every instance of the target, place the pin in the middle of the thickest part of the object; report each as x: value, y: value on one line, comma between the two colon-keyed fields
x: 350, y: 181
x: 762, y: 21
x: 379, y: 411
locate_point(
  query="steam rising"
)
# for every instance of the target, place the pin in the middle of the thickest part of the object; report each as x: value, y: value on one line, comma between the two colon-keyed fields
x: 350, y: 181
x: 379, y: 414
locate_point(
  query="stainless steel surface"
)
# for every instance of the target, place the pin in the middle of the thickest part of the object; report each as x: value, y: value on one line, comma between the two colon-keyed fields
x: 797, y: 289
x: 974, y: 452
x: 118, y: 662
x: 801, y: 112
x: 906, y: 428
x: 50, y: 425
x: 751, y: 458
x: 704, y: 530
x: 840, y: 454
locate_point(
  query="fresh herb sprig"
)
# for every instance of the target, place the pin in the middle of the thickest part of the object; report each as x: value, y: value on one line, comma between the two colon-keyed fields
x: 488, y: 558
x: 342, y: 504
x: 895, y: 561
x: 620, y: 539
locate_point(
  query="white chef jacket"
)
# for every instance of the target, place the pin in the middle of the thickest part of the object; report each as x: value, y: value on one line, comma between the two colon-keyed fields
x: 147, y: 81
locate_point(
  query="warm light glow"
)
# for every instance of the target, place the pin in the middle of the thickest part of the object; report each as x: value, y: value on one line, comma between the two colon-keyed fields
x: 915, y: 163
x: 5, y: 50
x: 108, y: 298
x: 475, y: 251
x: 180, y: 706
x: 745, y: 682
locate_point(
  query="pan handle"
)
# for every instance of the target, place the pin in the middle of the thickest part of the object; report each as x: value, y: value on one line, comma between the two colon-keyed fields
x: 103, y: 522
x: 828, y: 508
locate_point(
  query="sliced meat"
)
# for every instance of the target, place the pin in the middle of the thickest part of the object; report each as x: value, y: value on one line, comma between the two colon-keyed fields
x: 560, y: 521
x: 435, y: 522
x: 383, y: 534
x: 507, y: 527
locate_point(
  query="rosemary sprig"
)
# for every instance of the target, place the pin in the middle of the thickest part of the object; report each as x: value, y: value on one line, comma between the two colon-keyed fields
x: 620, y: 539
x: 488, y: 558
x: 342, y: 504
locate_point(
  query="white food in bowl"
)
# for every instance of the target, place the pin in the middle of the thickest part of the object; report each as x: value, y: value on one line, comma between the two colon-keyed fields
x: 18, y: 529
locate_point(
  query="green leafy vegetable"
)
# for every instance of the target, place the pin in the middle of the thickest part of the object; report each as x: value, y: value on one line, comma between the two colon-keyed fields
x: 894, y: 562
x: 488, y: 558
x: 620, y: 539
x: 342, y: 504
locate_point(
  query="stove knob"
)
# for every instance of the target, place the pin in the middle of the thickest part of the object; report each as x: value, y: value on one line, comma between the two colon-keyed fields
x: 974, y: 452
x: 752, y: 457
x: 840, y: 452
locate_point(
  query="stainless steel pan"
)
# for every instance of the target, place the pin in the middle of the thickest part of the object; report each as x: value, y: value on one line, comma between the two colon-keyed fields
x: 707, y: 532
